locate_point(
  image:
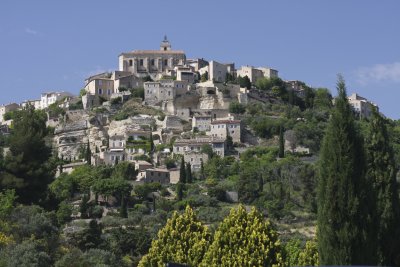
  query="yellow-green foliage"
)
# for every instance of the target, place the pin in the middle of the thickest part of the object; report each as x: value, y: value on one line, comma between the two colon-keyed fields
x: 183, y: 240
x: 309, y: 256
x: 5, y: 239
x: 244, y: 239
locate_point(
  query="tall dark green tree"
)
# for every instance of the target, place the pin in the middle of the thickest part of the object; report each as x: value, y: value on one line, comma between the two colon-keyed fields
x: 182, y: 172
x: 344, y: 223
x: 381, y: 170
x: 27, y: 167
x: 189, y: 176
x: 88, y: 154
x: 281, y: 143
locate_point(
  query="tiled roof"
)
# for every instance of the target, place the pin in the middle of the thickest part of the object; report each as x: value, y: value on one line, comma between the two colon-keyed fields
x: 161, y: 52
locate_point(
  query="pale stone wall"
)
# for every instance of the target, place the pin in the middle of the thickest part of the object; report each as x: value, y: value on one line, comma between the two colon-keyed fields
x: 202, y: 123
x: 161, y: 176
x: 217, y: 71
x: 224, y: 128
x: 195, y: 159
x: 7, y: 108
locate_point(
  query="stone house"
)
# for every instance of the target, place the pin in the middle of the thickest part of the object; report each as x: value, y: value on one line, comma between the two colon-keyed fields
x: 7, y: 108
x: 201, y: 122
x: 195, y: 159
x: 157, y: 175
x: 183, y: 146
x: 361, y: 105
x: 256, y: 73
x: 46, y: 99
x: 217, y: 71
x: 225, y: 128
x: 163, y: 90
x: 35, y: 103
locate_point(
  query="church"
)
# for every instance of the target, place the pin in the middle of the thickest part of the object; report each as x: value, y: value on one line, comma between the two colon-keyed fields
x: 153, y: 63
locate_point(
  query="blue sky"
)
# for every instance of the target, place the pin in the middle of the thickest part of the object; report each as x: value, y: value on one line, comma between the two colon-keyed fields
x: 48, y: 45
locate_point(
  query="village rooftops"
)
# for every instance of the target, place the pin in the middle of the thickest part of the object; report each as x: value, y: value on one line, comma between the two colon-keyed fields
x: 226, y: 122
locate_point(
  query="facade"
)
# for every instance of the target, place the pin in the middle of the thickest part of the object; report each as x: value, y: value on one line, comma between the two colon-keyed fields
x: 154, y: 63
x: 185, y: 74
x: 217, y: 71
x: 225, y: 128
x: 163, y: 90
x: 184, y: 146
x: 106, y: 84
x: 46, y: 99
x: 201, y: 123
x: 195, y: 159
x: 7, y: 108
x: 256, y: 73
x: 197, y: 63
x: 116, y: 150
x: 156, y: 175
x: 361, y: 105
x: 35, y: 103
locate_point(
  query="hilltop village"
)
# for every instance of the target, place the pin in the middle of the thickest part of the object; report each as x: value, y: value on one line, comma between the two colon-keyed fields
x: 99, y: 176
x: 159, y: 104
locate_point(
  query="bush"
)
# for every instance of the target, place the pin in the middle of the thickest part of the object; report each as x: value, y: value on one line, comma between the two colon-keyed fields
x: 236, y: 107
x: 116, y: 101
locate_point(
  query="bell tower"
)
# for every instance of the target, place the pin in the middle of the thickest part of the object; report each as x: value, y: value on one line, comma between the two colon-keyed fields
x: 165, y: 45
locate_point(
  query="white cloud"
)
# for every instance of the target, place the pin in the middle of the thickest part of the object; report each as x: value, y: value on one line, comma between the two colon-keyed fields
x: 379, y: 73
x: 30, y: 31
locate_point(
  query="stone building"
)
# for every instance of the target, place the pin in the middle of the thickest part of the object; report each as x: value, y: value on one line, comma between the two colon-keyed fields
x: 157, y: 175
x: 46, y: 99
x: 195, y: 159
x: 225, y: 128
x: 361, y: 105
x: 201, y: 122
x: 35, y: 103
x: 256, y: 73
x: 154, y: 63
x: 217, y: 71
x: 163, y: 90
x: 183, y: 146
x: 7, y: 108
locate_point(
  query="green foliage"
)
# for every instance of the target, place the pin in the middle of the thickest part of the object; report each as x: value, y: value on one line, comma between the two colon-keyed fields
x: 55, y: 111
x: 112, y: 187
x: 244, y: 239
x: 236, y: 107
x: 266, y: 127
x: 82, y: 92
x: 88, y: 238
x: 204, y: 77
x: 344, y: 236
x: 183, y: 240
x: 322, y: 99
x: 64, y: 213
x: 309, y: 256
x: 281, y: 143
x: 125, y: 171
x: 63, y: 187
x: 92, y: 257
x: 141, y: 191
x: 267, y: 83
x: 137, y: 92
x: 27, y: 168
x: 116, y: 101
x: 182, y: 172
x: 244, y: 82
x: 292, y: 252
x: 381, y: 170
x: 189, y: 176
x: 28, y: 253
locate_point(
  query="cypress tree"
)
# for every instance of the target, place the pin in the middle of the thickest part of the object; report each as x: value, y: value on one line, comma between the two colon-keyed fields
x: 344, y: 236
x: 182, y: 172
x: 179, y: 191
x: 189, y: 177
x: 88, y: 154
x: 281, y: 143
x: 381, y: 170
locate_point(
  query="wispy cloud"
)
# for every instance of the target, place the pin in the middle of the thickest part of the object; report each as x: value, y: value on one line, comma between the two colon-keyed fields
x: 379, y: 73
x: 30, y: 31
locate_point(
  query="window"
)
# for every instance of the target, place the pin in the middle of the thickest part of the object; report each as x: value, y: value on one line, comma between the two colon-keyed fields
x: 191, y: 159
x: 152, y: 62
x: 109, y: 92
x: 141, y: 62
x: 100, y: 92
x: 130, y: 62
x: 165, y: 62
x: 112, y: 158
